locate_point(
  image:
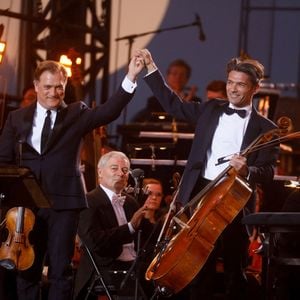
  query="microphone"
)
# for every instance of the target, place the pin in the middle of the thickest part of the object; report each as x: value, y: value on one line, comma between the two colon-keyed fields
x: 137, y: 175
x: 198, y: 22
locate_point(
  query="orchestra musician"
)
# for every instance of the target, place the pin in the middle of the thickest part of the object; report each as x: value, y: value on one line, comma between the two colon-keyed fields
x: 108, y: 227
x: 223, y: 129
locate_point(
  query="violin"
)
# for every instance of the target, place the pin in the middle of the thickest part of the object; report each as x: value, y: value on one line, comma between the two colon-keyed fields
x: 183, y: 255
x: 17, y: 252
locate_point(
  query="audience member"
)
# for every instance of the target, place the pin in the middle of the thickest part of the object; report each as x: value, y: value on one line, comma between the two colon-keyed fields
x: 52, y: 152
x: 223, y: 128
x: 108, y: 227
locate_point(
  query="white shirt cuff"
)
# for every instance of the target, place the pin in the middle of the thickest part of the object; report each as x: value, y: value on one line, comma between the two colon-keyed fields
x: 128, y: 86
x: 131, y: 229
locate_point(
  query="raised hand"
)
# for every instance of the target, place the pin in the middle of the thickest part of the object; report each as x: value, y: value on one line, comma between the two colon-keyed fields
x: 146, y: 56
x: 136, y: 65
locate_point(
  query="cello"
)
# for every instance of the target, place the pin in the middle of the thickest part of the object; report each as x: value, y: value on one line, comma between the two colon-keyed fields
x: 182, y: 256
x: 16, y: 252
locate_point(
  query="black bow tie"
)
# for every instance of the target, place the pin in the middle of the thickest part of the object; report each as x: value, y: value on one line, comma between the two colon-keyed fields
x: 230, y: 111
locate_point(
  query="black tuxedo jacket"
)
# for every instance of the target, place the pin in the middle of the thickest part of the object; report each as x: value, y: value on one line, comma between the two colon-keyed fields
x: 98, y: 229
x: 57, y: 169
x: 205, y: 116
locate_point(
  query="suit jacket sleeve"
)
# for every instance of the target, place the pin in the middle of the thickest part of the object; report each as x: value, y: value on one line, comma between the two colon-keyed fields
x: 170, y: 101
x: 98, y: 227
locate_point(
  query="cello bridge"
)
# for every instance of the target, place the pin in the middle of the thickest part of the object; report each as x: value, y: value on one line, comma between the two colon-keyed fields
x: 180, y: 223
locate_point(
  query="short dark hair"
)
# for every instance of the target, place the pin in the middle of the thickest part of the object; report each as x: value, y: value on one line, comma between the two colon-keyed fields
x: 180, y: 63
x: 50, y: 66
x: 216, y: 86
x: 251, y: 67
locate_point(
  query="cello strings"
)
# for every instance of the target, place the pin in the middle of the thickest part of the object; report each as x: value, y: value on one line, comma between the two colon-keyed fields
x: 261, y: 146
x: 255, y: 147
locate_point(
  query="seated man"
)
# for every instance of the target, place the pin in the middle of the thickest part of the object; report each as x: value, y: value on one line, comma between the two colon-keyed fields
x: 106, y: 227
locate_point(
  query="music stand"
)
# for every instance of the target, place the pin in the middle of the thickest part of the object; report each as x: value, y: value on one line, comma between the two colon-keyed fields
x: 18, y: 187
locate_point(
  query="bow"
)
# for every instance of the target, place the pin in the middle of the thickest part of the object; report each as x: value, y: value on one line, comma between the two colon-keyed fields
x: 241, y: 112
x: 118, y: 199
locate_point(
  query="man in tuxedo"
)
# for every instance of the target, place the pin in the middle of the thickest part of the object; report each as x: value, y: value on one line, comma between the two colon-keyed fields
x: 223, y: 130
x: 46, y: 137
x: 109, y: 225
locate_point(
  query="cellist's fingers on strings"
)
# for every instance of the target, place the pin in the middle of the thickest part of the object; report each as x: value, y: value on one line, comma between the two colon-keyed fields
x: 239, y: 163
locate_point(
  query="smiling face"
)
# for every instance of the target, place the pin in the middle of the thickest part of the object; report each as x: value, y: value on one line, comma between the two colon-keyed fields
x: 114, y: 174
x: 50, y: 89
x: 240, y: 89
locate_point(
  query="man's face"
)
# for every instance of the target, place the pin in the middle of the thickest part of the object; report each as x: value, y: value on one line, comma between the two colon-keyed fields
x: 240, y: 89
x: 114, y: 175
x: 155, y: 195
x: 50, y: 89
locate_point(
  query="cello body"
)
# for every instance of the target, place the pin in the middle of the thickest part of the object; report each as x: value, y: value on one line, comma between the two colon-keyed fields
x: 187, y: 252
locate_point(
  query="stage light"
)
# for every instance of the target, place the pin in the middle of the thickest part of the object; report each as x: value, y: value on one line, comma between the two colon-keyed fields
x: 68, y: 59
x: 67, y: 63
x: 2, y: 49
x: 2, y: 43
x: 293, y: 184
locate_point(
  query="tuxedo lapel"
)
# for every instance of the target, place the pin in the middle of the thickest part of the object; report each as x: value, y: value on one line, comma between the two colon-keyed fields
x: 105, y: 208
x: 27, y: 122
x: 212, y: 123
x: 253, y: 129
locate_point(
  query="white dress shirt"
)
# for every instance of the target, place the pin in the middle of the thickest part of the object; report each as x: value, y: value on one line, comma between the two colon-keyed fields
x: 128, y: 253
x: 34, y: 138
x: 227, y: 140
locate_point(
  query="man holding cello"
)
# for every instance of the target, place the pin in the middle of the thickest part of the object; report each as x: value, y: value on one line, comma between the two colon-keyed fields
x: 224, y: 129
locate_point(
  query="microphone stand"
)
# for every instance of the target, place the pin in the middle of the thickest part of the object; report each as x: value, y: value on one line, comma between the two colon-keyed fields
x: 135, y: 265
x: 134, y: 270
x: 132, y: 37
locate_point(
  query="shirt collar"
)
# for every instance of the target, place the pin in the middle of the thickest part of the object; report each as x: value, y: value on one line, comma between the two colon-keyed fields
x: 108, y: 192
x: 248, y: 108
x: 42, y: 109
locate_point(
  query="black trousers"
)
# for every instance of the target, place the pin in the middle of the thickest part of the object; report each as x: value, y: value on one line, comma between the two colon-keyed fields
x: 53, y: 235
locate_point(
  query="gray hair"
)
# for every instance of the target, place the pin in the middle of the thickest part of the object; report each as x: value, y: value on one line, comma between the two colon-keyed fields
x: 107, y: 156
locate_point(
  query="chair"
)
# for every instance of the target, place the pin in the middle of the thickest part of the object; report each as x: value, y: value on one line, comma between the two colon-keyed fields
x: 115, y: 284
x: 98, y: 286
